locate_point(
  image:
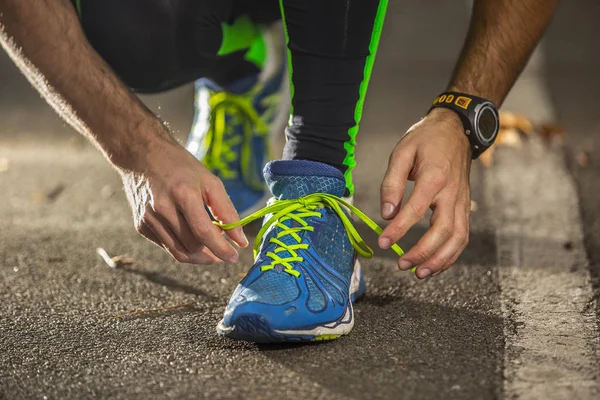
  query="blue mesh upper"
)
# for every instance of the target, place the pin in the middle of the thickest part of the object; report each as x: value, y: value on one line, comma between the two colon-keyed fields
x: 316, y: 300
x: 272, y: 287
x: 330, y: 242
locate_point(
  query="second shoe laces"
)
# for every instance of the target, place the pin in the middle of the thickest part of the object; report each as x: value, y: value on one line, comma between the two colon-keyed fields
x: 298, y: 209
x: 220, y: 151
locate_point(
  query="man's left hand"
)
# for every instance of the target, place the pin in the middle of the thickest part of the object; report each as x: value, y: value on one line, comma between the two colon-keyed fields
x: 435, y: 153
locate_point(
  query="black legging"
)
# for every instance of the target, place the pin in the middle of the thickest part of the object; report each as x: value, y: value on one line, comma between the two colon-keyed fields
x: 154, y: 45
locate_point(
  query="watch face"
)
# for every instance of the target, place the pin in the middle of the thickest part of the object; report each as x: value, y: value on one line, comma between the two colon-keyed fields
x: 487, y: 122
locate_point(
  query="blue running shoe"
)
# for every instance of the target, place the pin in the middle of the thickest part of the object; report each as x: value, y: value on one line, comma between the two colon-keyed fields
x: 306, y: 274
x: 231, y: 131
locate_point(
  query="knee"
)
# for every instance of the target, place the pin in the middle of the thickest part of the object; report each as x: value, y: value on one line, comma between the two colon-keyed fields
x: 150, y: 46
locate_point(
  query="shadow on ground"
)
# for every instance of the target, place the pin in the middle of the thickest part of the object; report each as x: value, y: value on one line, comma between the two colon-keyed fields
x: 403, y: 348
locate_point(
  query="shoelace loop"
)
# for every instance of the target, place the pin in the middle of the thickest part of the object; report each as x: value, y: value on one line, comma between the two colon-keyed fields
x: 220, y: 139
x: 298, y: 209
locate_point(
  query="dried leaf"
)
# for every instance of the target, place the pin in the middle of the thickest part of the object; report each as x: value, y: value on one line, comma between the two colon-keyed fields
x: 121, y: 261
x: 524, y: 125
x: 552, y: 130
x: 510, y: 120
x: 507, y: 119
x: 508, y: 137
x: 116, y: 261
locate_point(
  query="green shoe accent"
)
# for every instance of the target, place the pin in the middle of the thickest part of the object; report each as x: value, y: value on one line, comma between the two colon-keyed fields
x: 257, y: 54
x: 78, y: 7
x: 244, y: 34
x: 326, y: 337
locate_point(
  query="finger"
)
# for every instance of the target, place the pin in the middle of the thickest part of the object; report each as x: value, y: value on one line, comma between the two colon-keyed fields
x: 191, y: 205
x: 462, y: 230
x: 426, y: 188
x: 205, y: 256
x: 169, y: 242
x: 393, y: 185
x: 222, y: 208
x: 147, y: 233
x: 166, y: 239
x: 447, y: 255
x: 442, y: 228
x: 211, y: 255
x: 177, y: 226
x: 171, y: 217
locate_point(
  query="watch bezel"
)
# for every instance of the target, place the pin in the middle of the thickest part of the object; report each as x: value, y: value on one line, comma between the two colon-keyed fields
x: 488, y: 105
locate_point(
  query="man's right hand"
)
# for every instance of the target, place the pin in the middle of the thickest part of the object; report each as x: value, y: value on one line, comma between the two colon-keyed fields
x: 167, y: 189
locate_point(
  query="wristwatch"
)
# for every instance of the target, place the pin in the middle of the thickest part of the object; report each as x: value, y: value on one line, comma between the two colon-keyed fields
x: 479, y: 117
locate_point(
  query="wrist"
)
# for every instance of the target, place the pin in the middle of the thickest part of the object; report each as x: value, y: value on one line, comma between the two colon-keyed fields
x: 452, y: 125
x: 447, y: 116
x: 133, y: 153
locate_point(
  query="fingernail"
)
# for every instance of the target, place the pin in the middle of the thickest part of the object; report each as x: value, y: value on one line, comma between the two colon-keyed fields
x: 404, y: 265
x: 424, y: 273
x: 437, y: 273
x: 386, y: 210
x: 233, y: 259
x: 385, y: 243
x: 246, y: 242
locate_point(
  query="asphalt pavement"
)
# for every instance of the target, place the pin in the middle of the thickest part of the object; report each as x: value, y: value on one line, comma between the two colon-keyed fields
x: 514, y: 318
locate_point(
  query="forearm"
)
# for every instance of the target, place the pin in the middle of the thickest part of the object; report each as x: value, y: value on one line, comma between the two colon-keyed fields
x: 501, y: 37
x: 45, y: 40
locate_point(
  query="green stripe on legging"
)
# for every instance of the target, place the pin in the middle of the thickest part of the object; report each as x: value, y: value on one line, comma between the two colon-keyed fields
x: 350, y: 145
x: 290, y: 68
x: 78, y: 6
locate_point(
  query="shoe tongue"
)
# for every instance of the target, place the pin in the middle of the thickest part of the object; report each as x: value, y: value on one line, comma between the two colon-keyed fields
x: 291, y: 179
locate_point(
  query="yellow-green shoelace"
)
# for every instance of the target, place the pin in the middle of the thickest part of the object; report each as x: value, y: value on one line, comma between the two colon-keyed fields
x: 220, y: 148
x: 298, y: 209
